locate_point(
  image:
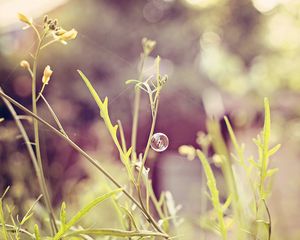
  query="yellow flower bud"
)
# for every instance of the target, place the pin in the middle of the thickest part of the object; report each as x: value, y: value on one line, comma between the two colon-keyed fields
x: 47, y: 74
x: 69, y: 35
x: 25, y: 64
x: 148, y: 45
x: 24, y: 19
x: 188, y: 151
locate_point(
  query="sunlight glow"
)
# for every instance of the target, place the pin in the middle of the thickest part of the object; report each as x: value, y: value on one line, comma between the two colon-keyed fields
x: 202, y: 3
x: 32, y: 8
x: 268, y: 5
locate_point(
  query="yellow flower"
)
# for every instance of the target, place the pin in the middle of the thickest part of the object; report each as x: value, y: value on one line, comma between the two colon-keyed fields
x: 68, y: 35
x: 47, y: 74
x: 24, y: 19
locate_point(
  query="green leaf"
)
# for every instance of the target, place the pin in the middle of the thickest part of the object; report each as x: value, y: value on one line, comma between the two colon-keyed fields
x: 133, y: 81
x: 253, y: 163
x: 103, y: 106
x: 29, y: 213
x: 91, y: 89
x: 271, y: 172
x: 265, y: 149
x: 267, y: 126
x: 63, y: 215
x: 212, y: 186
x: 25, y: 218
x: 227, y: 203
x: 130, y: 216
x: 83, y: 212
x: 274, y: 150
x: 2, y: 220
x: 237, y: 148
x: 37, y: 232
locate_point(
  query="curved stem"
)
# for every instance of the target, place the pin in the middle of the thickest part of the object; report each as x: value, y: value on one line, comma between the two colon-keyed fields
x: 48, y: 43
x: 37, y: 32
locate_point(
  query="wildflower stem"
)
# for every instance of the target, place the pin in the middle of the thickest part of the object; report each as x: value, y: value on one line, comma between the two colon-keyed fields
x: 148, y: 142
x: 137, y: 99
x: 41, y: 92
x: 36, y: 31
x: 26, y: 140
x: 36, y: 137
x: 48, y: 43
x: 54, y: 115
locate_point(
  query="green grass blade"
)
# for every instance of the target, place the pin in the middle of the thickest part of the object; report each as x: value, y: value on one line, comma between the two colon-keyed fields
x: 91, y: 89
x: 103, y: 106
x: 2, y: 220
x: 117, y: 233
x: 83, y: 212
x: 29, y: 213
x: 236, y: 146
x: 37, y: 232
x: 265, y: 147
x: 63, y: 215
x: 212, y: 186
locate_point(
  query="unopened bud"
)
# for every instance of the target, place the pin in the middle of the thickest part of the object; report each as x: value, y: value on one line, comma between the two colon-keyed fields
x: 24, y: 19
x: 45, y: 18
x: 47, y: 74
x: 25, y: 64
x: 148, y: 45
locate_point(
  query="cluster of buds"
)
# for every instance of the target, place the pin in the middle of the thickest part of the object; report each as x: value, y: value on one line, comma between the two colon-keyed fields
x: 51, y: 23
x: 59, y: 32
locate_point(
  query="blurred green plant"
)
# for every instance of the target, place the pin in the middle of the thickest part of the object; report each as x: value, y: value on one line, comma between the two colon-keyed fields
x: 232, y: 218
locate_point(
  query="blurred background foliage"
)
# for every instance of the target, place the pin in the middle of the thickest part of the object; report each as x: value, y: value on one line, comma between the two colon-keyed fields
x: 222, y: 57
